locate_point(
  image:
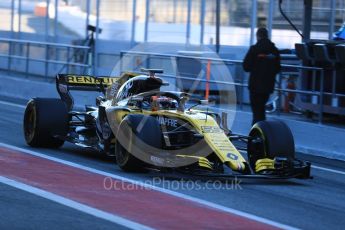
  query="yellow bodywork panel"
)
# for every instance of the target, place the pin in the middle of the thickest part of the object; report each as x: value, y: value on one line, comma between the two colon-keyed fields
x: 213, y: 135
x: 264, y: 164
x: 202, y: 161
x: 204, y: 124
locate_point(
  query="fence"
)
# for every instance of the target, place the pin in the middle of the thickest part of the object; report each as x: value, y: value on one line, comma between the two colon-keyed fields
x: 22, y: 55
x: 242, y: 85
x: 31, y: 57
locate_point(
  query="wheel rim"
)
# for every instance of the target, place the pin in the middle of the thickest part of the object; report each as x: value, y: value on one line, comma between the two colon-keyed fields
x: 121, y: 155
x: 30, y: 119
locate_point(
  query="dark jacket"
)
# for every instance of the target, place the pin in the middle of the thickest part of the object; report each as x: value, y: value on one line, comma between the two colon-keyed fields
x: 263, y: 63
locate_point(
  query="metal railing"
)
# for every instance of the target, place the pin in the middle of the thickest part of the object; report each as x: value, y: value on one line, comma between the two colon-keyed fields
x: 25, y: 50
x: 280, y: 90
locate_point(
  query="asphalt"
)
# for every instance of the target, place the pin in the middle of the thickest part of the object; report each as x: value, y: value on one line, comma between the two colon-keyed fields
x: 308, y: 204
x: 22, y: 210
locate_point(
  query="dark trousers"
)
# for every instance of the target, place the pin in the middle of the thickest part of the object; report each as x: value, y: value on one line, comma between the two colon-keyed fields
x: 258, y: 102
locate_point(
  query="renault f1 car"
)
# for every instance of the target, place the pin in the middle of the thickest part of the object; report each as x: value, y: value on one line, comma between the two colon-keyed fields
x: 145, y: 127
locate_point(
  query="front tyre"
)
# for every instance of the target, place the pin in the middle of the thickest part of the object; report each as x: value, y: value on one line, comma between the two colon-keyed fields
x: 124, y: 159
x: 270, y: 139
x: 137, y: 136
x: 45, y: 119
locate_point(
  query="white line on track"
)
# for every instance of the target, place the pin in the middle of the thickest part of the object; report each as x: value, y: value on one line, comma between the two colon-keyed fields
x: 12, y: 104
x: 72, y: 204
x: 148, y: 186
x: 328, y: 170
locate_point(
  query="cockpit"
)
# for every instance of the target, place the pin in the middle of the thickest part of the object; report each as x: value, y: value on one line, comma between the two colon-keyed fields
x: 156, y: 100
x: 137, y: 85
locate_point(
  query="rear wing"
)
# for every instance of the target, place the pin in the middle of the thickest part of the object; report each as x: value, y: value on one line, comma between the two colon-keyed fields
x: 67, y: 82
x: 84, y: 82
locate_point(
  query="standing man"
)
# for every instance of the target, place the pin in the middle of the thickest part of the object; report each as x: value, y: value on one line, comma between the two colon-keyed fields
x: 263, y: 63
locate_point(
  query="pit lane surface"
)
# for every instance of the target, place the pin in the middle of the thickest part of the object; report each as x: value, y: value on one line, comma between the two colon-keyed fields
x: 317, y: 203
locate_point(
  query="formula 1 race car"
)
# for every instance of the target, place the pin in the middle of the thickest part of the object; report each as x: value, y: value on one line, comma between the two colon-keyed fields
x: 146, y: 128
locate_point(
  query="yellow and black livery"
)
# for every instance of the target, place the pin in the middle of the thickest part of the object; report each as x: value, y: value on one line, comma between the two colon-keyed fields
x: 146, y: 127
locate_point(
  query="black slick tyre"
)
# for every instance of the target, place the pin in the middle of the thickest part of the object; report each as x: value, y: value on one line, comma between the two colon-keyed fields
x: 135, y: 130
x: 45, y: 119
x: 270, y: 139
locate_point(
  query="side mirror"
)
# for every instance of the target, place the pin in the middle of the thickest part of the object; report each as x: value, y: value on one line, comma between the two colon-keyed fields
x: 182, y: 104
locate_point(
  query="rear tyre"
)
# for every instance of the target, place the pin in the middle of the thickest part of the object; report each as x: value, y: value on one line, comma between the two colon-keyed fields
x: 270, y: 139
x: 44, y: 120
x: 130, y: 137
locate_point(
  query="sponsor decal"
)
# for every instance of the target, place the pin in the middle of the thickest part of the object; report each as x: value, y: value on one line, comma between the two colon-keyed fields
x: 157, y: 160
x: 167, y: 121
x: 211, y: 129
x: 232, y: 156
x: 90, y: 80
x: 199, y: 116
